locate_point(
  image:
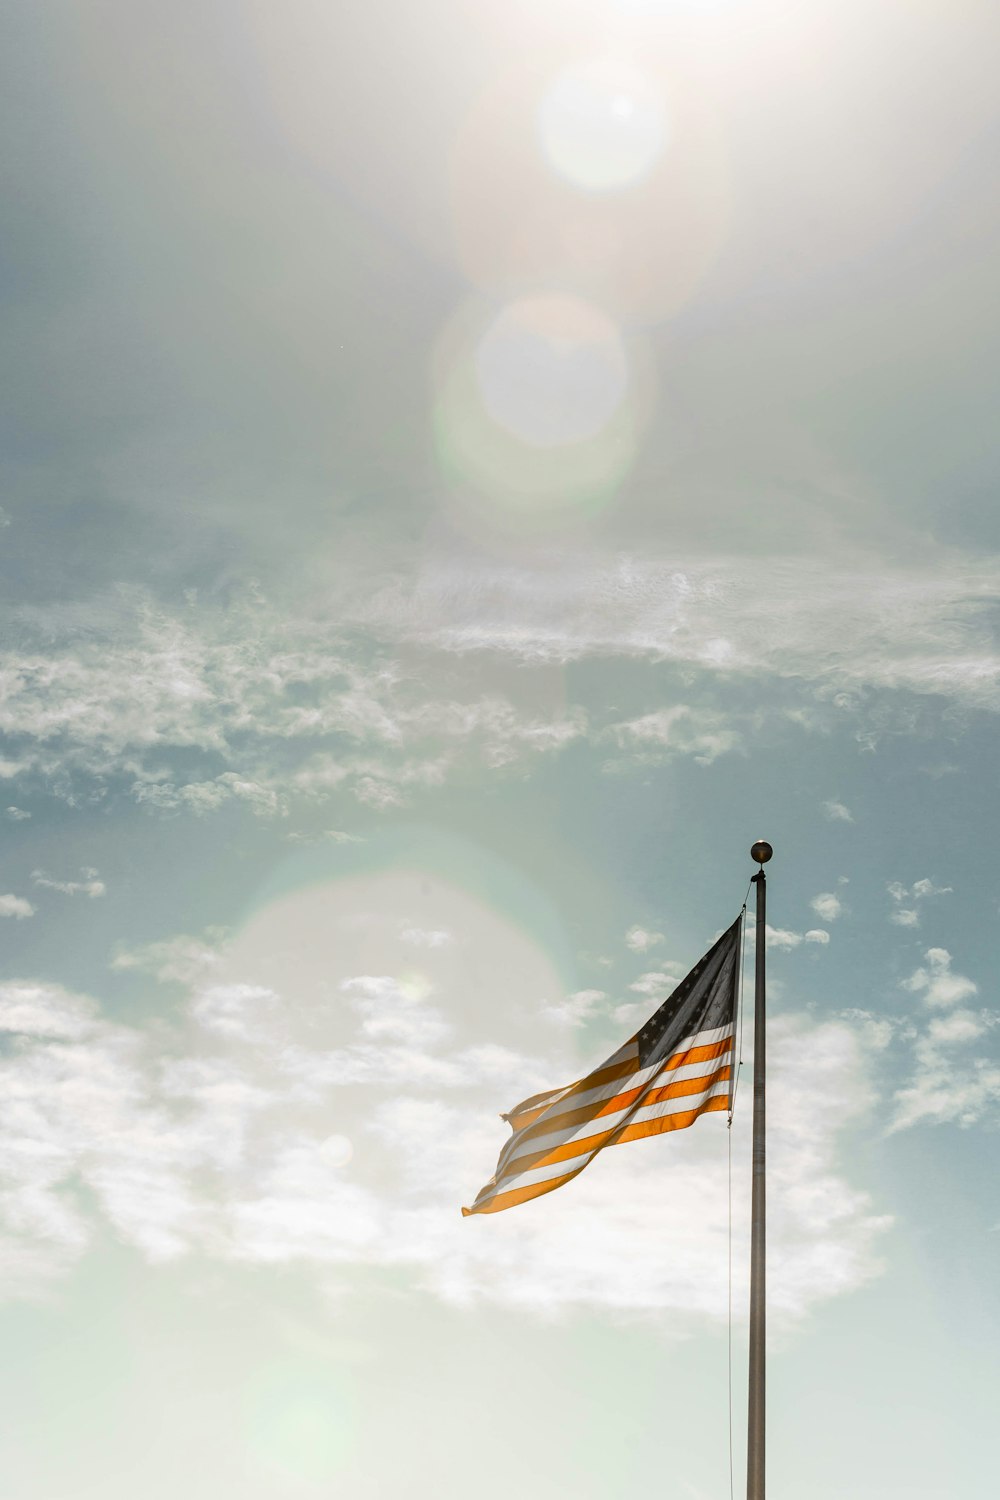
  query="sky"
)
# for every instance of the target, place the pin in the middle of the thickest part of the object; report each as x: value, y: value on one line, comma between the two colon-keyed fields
x: 469, y: 469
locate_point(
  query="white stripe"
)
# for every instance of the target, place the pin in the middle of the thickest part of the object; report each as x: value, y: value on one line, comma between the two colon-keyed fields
x: 660, y: 1079
x: 628, y: 1052
x: 650, y: 1112
x: 678, y: 1106
x: 645, y: 1075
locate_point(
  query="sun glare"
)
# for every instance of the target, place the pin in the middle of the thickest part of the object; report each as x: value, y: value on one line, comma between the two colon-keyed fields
x: 602, y: 125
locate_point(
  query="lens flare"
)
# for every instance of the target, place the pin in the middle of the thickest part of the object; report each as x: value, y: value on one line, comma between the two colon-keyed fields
x: 551, y: 370
x: 538, y: 408
x: 337, y: 1150
x: 602, y: 125
x: 604, y: 178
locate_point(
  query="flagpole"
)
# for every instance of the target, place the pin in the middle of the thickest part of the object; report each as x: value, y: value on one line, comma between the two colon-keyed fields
x: 761, y: 852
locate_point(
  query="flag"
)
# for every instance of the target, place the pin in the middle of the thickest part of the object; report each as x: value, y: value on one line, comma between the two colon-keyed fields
x: 677, y: 1067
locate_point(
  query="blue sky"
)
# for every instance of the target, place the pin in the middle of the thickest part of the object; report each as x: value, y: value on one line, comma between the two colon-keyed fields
x: 468, y: 471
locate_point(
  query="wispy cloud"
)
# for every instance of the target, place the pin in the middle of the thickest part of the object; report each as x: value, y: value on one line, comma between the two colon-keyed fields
x: 905, y: 914
x: 268, y: 705
x: 956, y: 1076
x: 703, y: 734
x: 254, y: 705
x: 90, y: 884
x: 919, y: 630
x: 837, y: 812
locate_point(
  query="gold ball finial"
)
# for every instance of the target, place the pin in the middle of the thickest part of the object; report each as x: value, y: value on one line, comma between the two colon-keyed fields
x: 761, y: 851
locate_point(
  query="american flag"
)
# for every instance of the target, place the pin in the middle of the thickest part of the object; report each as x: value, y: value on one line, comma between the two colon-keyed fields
x: 677, y: 1067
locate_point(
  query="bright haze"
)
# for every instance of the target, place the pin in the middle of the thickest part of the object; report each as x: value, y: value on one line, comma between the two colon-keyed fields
x: 471, y: 468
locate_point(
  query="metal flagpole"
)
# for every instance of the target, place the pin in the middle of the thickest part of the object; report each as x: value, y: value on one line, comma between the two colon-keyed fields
x: 761, y: 852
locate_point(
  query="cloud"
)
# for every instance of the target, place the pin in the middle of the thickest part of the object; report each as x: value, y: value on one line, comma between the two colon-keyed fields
x: 837, y: 812
x: 91, y: 885
x: 656, y: 982
x: 206, y: 796
x: 703, y: 734
x: 909, y: 916
x: 45, y: 1012
x: 15, y: 906
x: 344, y: 1129
x: 17, y: 814
x: 423, y: 937
x: 394, y: 1011
x: 876, y: 1030
x: 328, y: 835
x: 640, y: 939
x: 827, y: 906
x: 955, y: 1079
x: 781, y: 938
x: 919, y: 630
x: 263, y: 704
x: 576, y: 1009
x: 936, y: 983
x: 181, y: 960
x: 252, y: 705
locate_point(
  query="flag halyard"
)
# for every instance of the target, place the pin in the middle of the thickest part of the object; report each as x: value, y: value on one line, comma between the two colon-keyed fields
x: 679, y: 1065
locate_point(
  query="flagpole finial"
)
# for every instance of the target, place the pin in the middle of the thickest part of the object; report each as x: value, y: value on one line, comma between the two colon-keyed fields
x: 761, y: 852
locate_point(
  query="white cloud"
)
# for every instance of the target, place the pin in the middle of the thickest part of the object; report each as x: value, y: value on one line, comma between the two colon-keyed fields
x: 89, y: 885
x: 17, y: 814
x: 248, y: 699
x: 827, y: 906
x: 876, y: 1030
x: 786, y: 941
x: 183, y: 960
x: 781, y: 938
x: 15, y: 906
x: 395, y: 1011
x: 704, y: 734
x: 922, y: 630
x: 640, y: 939
x: 422, y: 937
x: 837, y: 812
x: 206, y: 796
x: 343, y: 1125
x: 954, y: 1079
x: 656, y: 982
x: 238, y: 1011
x: 327, y: 835
x: 38, y: 1010
x: 936, y: 983
x: 575, y: 1009
x: 259, y: 706
x: 909, y: 916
